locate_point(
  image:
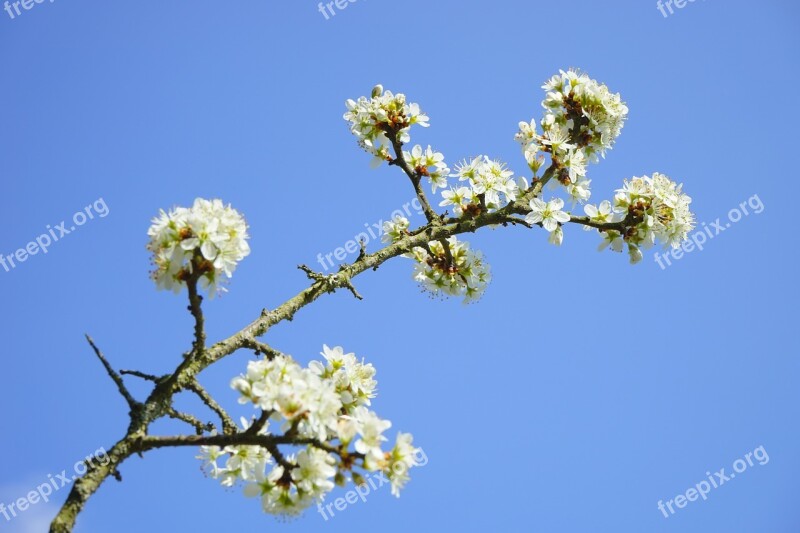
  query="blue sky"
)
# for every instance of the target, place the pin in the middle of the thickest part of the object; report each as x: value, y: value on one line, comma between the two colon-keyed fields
x: 577, y: 394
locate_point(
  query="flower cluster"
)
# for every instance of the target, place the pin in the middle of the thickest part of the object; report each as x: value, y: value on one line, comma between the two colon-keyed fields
x: 325, y: 402
x: 394, y: 230
x: 372, y: 118
x: 449, y: 267
x: 649, y: 210
x: 429, y: 164
x: 491, y: 186
x: 206, y: 240
x: 654, y: 209
x: 582, y: 119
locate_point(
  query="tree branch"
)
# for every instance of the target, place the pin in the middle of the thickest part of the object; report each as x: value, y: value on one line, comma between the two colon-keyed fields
x: 199, y: 426
x: 262, y: 348
x: 602, y: 226
x: 413, y: 175
x: 142, y: 375
x: 228, y: 425
x: 123, y: 390
x: 195, y: 307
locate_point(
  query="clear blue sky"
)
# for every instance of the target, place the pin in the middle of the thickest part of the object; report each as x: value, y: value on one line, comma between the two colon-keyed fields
x: 577, y: 394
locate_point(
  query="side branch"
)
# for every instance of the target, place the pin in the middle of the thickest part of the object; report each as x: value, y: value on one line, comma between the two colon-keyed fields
x: 413, y: 175
x: 262, y: 348
x: 123, y: 390
x: 602, y: 226
x: 269, y: 442
x: 199, y: 426
x: 196, y: 308
x: 228, y: 425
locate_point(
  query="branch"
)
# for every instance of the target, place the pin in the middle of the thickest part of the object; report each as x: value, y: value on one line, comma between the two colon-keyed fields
x: 262, y: 348
x: 413, y: 175
x: 195, y: 307
x: 228, y: 425
x: 602, y: 226
x: 260, y: 423
x: 199, y: 426
x: 142, y: 375
x: 333, y: 281
x: 123, y: 390
x: 270, y: 442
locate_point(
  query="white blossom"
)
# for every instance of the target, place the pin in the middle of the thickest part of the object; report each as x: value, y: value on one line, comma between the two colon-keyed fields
x: 394, y: 230
x: 326, y: 401
x: 429, y: 164
x: 209, y: 237
x: 548, y: 214
x: 659, y: 208
x: 461, y: 272
x: 487, y: 178
x: 371, y: 118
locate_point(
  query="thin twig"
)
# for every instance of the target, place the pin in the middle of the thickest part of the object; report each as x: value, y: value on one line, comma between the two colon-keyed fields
x: 199, y: 426
x: 228, y: 425
x: 415, y: 177
x: 123, y: 390
x: 262, y: 348
x: 142, y: 375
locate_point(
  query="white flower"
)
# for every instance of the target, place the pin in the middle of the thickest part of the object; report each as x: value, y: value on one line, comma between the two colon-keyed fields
x: 396, y: 229
x: 353, y: 380
x: 556, y: 236
x: 569, y: 97
x: 579, y: 190
x: 660, y: 208
x: 399, y: 461
x: 547, y: 214
x: 604, y: 111
x: 370, y: 430
x: 461, y: 273
x: 325, y: 402
x: 557, y: 137
x: 314, y: 471
x: 457, y: 198
x: 602, y: 214
x: 486, y: 177
x: 208, y: 239
x: 613, y: 239
x: 370, y: 118
x: 634, y: 253
x: 430, y: 164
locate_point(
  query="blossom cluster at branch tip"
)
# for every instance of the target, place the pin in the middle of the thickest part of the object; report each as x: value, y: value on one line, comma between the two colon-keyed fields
x: 655, y: 209
x: 208, y: 240
x: 649, y: 210
x: 582, y: 120
x: 327, y: 403
x: 372, y: 118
